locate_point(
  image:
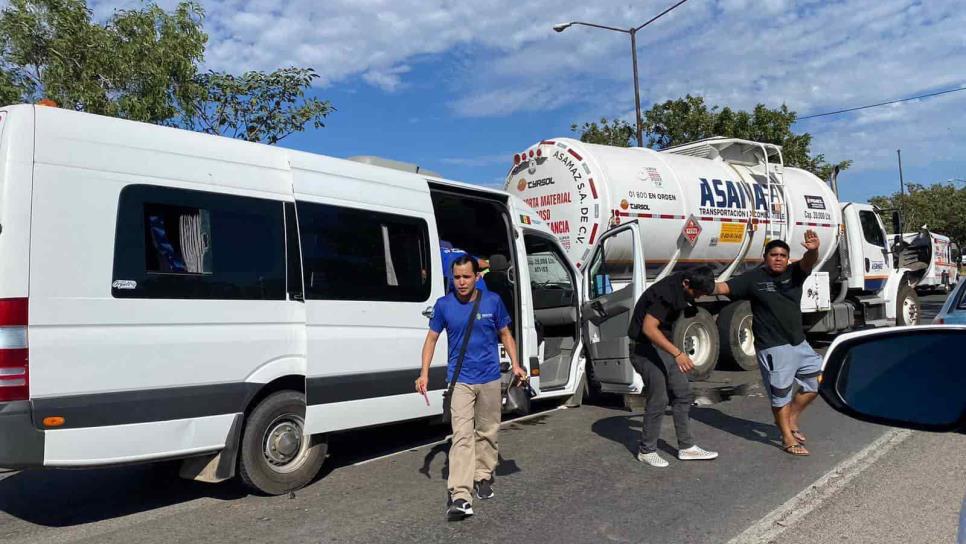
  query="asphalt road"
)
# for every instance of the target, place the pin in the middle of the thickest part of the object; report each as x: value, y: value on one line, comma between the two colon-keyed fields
x: 565, y: 475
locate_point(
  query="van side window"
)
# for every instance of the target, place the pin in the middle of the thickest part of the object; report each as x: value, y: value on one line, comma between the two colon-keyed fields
x: 352, y: 254
x: 184, y: 244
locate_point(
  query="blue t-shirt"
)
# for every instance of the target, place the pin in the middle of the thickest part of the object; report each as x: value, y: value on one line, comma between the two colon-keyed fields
x: 449, y: 256
x: 482, y: 361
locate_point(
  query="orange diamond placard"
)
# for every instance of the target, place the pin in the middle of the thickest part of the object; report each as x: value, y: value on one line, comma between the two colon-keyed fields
x: 691, y: 230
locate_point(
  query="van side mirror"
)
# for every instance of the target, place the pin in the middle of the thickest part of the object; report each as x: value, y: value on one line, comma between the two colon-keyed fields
x: 904, y: 377
x: 896, y: 223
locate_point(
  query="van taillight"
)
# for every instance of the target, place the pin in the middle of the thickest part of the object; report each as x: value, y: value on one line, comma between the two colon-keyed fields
x: 14, y: 376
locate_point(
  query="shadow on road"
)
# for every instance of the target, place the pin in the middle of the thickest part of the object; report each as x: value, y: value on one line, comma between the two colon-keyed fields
x: 626, y: 430
x: 62, y: 498
x: 753, y: 431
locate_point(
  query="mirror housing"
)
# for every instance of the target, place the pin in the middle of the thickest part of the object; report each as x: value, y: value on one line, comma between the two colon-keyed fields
x: 910, y: 377
x: 896, y: 223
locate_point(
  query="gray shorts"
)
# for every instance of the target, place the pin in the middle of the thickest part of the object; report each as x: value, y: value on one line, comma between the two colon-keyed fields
x: 784, y: 366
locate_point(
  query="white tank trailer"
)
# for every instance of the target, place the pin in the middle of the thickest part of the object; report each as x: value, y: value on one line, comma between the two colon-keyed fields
x: 716, y: 202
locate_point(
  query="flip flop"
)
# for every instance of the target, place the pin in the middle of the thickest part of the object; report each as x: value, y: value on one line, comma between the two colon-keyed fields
x: 795, y: 449
x: 799, y: 435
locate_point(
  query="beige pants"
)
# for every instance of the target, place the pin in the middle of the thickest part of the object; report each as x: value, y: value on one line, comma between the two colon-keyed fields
x: 475, y: 411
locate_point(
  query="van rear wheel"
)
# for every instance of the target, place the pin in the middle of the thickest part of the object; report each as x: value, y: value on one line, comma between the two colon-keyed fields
x: 698, y: 337
x: 275, y: 455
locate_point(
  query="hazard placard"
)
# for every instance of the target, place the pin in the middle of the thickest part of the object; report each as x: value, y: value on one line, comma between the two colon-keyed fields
x: 691, y: 230
x: 731, y: 233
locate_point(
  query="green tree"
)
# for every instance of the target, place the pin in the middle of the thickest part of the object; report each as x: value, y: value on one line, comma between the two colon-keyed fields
x: 139, y: 64
x: 617, y: 132
x: 939, y: 206
x: 142, y: 64
x: 688, y: 119
x: 256, y: 106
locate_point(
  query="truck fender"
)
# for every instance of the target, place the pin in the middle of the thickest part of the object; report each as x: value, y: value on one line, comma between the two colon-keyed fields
x: 890, y: 291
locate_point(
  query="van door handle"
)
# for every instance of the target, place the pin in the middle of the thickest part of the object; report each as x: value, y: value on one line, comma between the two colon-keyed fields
x: 428, y: 312
x: 868, y: 265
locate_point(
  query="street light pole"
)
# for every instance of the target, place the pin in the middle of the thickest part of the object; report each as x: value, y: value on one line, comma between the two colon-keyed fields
x: 637, y: 90
x: 633, y: 32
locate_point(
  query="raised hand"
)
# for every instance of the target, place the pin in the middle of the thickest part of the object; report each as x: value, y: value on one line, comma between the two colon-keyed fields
x: 811, y: 240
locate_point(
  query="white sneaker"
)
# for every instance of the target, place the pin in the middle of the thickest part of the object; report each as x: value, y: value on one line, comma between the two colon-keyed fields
x: 695, y: 453
x: 652, y: 459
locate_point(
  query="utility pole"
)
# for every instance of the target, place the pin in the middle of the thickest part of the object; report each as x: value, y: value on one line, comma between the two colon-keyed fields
x: 902, y: 188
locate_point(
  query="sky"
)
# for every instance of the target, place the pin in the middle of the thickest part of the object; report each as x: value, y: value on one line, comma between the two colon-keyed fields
x: 458, y: 87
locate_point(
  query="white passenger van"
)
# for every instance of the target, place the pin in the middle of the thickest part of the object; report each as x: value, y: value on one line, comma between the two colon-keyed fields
x: 167, y: 294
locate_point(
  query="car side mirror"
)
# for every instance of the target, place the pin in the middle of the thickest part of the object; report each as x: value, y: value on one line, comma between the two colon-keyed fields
x: 912, y: 377
x: 896, y: 223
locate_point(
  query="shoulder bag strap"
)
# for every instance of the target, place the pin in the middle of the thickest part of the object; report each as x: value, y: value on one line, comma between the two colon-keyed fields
x: 466, y: 342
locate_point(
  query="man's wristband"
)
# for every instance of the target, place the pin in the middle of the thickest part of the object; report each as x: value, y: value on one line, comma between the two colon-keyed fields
x: 680, y: 353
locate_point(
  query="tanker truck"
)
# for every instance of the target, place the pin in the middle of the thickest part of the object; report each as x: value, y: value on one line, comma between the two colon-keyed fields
x: 628, y: 217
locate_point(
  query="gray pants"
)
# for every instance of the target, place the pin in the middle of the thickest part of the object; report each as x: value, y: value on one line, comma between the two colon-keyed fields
x: 664, y: 381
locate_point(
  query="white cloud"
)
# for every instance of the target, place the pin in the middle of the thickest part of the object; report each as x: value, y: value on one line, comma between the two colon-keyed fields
x: 389, y: 79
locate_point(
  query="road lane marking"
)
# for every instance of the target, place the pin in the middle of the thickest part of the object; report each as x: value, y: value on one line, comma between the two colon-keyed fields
x: 813, y: 496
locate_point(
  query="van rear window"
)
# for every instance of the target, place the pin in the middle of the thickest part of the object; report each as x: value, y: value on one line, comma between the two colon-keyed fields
x: 179, y: 243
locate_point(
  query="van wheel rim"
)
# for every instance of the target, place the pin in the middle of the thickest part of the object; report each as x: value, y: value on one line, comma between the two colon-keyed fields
x: 284, y: 446
x: 697, y: 344
x: 746, y: 338
x: 910, y: 311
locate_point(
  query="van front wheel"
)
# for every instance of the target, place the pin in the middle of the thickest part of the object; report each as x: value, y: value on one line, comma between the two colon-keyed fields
x: 275, y: 455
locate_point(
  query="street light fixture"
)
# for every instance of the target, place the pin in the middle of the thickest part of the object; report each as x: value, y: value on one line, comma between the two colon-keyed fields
x: 560, y: 27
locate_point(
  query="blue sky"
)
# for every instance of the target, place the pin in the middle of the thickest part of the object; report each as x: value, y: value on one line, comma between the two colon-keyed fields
x: 458, y: 87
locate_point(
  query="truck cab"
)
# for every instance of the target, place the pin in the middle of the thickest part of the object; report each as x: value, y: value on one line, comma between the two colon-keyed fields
x: 880, y: 287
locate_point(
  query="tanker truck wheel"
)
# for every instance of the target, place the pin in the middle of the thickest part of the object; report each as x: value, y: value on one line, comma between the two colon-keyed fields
x: 737, y: 338
x: 698, y: 337
x: 907, y: 306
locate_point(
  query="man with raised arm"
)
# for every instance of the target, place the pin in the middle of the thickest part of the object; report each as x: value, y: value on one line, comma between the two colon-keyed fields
x: 784, y: 356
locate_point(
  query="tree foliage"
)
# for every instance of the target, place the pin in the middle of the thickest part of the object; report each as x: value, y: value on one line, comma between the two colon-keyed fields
x: 139, y: 64
x: 939, y: 207
x: 615, y: 132
x: 256, y: 106
x: 688, y: 119
x: 143, y: 64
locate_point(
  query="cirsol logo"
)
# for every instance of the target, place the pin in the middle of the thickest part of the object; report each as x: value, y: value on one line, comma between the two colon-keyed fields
x: 522, y: 185
x: 625, y: 204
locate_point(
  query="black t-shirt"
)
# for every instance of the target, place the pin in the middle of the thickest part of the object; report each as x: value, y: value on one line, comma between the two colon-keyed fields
x: 665, y: 301
x: 776, y: 304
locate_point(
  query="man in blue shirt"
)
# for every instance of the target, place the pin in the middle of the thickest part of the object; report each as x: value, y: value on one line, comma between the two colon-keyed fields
x: 475, y: 405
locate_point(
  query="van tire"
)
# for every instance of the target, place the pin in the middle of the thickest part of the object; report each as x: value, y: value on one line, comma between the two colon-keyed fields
x: 698, y: 337
x: 736, y: 336
x: 275, y: 457
x: 907, y: 306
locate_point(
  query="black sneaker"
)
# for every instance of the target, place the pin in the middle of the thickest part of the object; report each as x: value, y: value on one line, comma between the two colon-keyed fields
x: 484, y: 489
x: 459, y: 509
